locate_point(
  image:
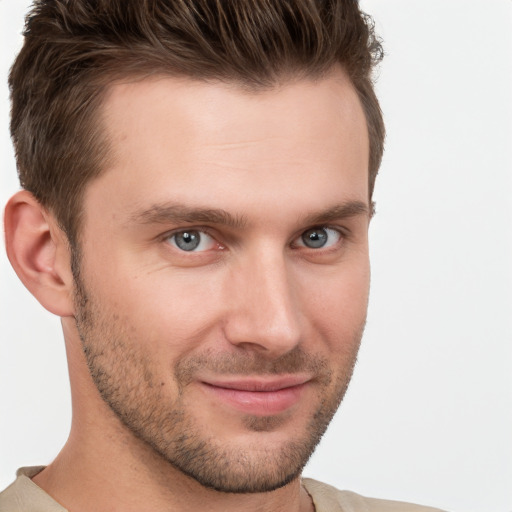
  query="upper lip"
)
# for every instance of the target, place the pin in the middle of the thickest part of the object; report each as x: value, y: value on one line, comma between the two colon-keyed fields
x: 259, y: 383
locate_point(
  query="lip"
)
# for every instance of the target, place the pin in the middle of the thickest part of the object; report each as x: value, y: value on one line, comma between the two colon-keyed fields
x: 261, y: 397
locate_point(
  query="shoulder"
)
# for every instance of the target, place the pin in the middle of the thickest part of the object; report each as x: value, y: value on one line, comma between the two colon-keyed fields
x: 23, y: 495
x: 329, y: 499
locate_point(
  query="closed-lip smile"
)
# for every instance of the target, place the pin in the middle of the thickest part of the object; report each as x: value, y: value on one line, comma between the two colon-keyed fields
x: 262, y: 396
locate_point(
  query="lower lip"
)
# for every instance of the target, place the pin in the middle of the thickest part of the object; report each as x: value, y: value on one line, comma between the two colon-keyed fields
x: 261, y: 403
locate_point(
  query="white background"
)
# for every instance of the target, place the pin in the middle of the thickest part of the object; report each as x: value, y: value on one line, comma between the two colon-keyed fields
x: 428, y: 417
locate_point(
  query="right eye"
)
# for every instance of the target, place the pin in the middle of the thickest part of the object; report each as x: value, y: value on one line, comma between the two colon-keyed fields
x: 192, y: 240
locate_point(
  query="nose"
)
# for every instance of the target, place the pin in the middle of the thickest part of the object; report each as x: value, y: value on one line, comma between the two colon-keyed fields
x: 264, y: 311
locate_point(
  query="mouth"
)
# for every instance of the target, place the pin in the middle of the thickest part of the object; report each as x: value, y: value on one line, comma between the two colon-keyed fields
x: 258, y: 396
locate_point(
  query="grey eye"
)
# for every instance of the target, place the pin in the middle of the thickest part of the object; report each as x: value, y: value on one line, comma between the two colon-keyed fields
x: 192, y: 240
x: 317, y: 238
x: 314, y: 238
x: 187, y: 240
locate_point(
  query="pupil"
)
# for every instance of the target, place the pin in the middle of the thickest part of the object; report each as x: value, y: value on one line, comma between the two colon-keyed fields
x: 188, y: 240
x: 315, y: 238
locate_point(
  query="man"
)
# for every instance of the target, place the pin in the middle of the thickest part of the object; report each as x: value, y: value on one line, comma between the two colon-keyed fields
x: 197, y: 187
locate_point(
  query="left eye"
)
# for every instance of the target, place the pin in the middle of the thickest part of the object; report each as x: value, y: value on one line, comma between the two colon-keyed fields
x: 192, y: 241
x: 319, y: 238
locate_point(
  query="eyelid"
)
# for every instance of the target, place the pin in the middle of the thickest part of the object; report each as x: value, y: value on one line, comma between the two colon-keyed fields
x: 203, y: 230
x: 182, y: 229
x: 342, y: 232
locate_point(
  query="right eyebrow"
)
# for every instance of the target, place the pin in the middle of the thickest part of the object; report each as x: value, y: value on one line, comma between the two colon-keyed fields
x: 173, y: 213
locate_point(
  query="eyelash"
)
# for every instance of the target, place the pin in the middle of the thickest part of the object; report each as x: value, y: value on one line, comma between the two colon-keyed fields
x: 297, y: 243
x: 340, y: 234
x: 169, y: 236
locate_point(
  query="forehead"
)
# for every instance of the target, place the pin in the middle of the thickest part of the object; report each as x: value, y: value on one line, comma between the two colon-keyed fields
x: 221, y: 112
x: 208, y: 141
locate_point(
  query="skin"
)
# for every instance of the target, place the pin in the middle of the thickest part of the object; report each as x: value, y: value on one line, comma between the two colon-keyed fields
x: 255, y: 310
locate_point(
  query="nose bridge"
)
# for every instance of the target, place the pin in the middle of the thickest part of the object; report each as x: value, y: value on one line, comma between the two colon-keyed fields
x: 265, y: 310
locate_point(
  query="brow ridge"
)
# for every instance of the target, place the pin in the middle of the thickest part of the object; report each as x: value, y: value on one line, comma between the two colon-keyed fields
x: 341, y: 211
x: 178, y: 213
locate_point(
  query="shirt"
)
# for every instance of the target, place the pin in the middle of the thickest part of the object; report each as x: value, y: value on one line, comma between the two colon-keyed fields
x: 23, y: 495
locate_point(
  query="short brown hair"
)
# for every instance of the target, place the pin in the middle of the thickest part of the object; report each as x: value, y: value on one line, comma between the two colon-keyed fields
x: 74, y: 49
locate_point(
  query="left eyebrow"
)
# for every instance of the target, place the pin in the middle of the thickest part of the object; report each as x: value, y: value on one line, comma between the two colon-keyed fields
x: 339, y: 212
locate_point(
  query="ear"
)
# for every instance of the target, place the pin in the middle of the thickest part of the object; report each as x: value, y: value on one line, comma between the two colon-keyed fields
x: 39, y: 253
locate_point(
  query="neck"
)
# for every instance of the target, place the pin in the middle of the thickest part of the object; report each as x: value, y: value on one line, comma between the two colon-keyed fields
x: 104, y: 466
x: 85, y: 478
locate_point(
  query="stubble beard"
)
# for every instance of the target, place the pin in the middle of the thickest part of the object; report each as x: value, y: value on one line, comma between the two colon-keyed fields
x: 124, y: 377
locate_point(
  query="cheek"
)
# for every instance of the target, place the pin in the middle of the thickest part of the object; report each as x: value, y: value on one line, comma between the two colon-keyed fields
x: 172, y: 311
x: 337, y: 304
x: 166, y: 309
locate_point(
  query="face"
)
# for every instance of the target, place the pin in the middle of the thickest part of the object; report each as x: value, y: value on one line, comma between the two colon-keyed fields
x: 223, y: 279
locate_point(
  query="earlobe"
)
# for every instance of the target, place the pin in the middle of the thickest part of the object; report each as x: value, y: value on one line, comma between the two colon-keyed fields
x: 39, y: 253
